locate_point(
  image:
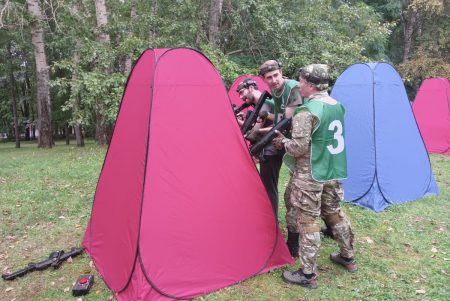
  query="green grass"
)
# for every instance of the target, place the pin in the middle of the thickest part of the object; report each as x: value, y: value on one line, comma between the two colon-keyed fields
x: 46, y: 198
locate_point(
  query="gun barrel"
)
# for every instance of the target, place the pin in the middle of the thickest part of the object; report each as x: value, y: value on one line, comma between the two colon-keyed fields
x: 281, y: 126
x: 72, y: 253
x: 240, y: 108
x: 19, y: 273
x: 251, y: 120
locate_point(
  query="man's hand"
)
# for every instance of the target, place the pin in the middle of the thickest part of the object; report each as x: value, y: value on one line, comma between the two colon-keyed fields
x: 277, y: 141
x: 263, y: 115
x: 240, y: 118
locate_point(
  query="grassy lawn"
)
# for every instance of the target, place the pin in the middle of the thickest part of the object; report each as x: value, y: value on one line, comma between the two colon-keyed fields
x: 46, y: 198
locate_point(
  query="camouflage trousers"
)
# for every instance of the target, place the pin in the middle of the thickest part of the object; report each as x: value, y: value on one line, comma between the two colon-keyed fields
x: 311, y: 200
x: 292, y: 211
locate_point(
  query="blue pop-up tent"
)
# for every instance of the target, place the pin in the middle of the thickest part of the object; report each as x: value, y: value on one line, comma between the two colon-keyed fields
x: 386, y: 158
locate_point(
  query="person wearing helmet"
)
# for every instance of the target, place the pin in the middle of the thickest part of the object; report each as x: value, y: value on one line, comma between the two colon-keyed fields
x: 286, y: 96
x: 318, y: 148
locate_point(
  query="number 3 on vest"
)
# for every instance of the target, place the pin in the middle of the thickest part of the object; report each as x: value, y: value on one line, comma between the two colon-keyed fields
x: 336, y: 127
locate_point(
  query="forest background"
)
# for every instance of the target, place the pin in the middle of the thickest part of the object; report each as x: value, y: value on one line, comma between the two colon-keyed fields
x: 64, y: 63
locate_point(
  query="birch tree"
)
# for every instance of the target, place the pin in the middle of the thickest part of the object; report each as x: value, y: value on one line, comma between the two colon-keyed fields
x: 44, y: 111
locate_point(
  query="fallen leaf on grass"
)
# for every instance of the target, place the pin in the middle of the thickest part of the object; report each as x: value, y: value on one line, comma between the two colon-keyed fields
x: 434, y: 250
x: 446, y: 259
x: 5, y: 212
x: 445, y: 273
x: 420, y: 291
x: 8, y: 289
x: 67, y: 289
x: 79, y: 299
x: 369, y: 240
x: 340, y: 286
x: 61, y: 217
x: 69, y: 260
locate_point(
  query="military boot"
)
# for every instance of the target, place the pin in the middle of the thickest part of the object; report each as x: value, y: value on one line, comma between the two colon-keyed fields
x: 298, y: 278
x: 349, y: 263
x: 292, y: 243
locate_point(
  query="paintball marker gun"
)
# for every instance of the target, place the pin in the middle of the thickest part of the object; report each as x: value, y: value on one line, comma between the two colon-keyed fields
x: 54, y: 260
x: 251, y: 120
x: 282, y: 126
x: 237, y: 110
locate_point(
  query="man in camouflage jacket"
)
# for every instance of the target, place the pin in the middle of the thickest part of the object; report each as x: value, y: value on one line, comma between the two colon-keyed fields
x: 318, y: 148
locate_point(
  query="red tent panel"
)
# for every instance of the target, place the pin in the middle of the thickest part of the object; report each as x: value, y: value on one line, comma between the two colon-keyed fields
x: 179, y: 191
x: 432, y: 111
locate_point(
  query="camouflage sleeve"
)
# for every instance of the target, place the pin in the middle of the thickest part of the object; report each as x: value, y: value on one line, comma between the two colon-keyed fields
x: 302, y: 127
x: 295, y: 99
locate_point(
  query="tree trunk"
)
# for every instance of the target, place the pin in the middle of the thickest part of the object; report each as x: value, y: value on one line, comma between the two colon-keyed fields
x: 152, y: 32
x: 103, y: 37
x: 79, y: 136
x: 13, y: 97
x: 214, y: 21
x: 67, y: 133
x: 100, y: 128
x: 409, y: 25
x: 43, y: 93
x: 133, y: 18
x: 102, y: 21
x: 28, y: 110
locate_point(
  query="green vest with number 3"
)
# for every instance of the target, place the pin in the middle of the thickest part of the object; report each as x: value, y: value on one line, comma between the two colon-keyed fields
x: 328, y: 158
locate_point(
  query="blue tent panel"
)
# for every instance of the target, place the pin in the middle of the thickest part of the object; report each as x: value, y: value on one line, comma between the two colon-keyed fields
x: 355, y: 85
x: 387, y: 159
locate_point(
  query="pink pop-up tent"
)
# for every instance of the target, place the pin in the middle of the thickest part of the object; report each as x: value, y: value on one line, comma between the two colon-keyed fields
x: 432, y: 111
x: 179, y: 210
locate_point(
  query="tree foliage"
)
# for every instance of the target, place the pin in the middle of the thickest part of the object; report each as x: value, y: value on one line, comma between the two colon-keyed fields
x: 85, y: 72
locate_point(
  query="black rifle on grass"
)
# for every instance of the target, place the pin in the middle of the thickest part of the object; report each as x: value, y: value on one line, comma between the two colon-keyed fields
x: 283, y: 126
x: 54, y: 260
x: 251, y: 119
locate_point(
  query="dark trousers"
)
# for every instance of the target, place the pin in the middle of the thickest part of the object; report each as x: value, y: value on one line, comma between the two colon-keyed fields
x: 269, y: 171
